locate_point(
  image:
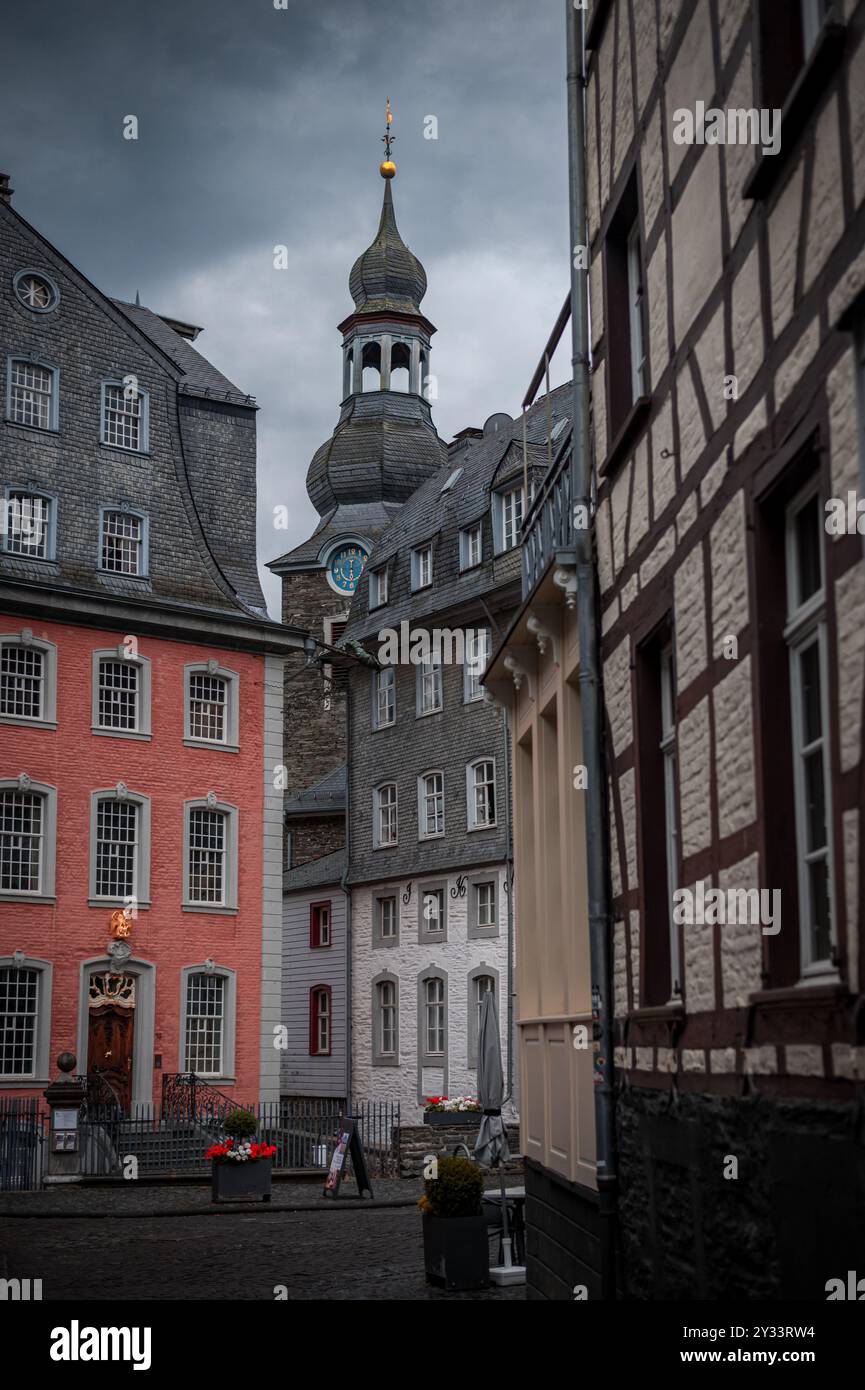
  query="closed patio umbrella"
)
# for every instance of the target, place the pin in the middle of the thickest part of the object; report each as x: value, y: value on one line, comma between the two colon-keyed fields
x: 491, y: 1147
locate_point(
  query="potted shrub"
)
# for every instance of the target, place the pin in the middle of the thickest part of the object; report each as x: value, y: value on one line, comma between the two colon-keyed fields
x: 463, y: 1112
x: 240, y: 1168
x: 455, y: 1247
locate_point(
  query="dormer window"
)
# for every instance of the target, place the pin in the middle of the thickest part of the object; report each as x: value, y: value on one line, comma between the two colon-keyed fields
x: 508, y: 508
x: 422, y: 567
x: 378, y: 587
x: 471, y: 546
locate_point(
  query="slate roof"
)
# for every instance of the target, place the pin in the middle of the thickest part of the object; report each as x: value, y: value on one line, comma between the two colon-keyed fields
x: 387, y: 277
x: 432, y: 514
x: 328, y: 869
x: 384, y: 446
x: 202, y: 378
x: 366, y: 520
x: 324, y: 798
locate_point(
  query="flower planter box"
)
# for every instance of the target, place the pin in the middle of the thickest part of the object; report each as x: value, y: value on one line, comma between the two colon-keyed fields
x: 457, y: 1119
x: 456, y: 1253
x: 235, y: 1182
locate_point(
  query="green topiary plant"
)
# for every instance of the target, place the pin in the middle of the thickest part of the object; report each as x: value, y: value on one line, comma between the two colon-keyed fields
x: 240, y: 1124
x: 456, y: 1191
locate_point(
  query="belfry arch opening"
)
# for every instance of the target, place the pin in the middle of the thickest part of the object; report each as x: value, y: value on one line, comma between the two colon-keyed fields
x: 371, y: 367
x: 400, y: 367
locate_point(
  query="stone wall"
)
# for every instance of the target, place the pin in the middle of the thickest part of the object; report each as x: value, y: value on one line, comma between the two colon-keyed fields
x: 417, y: 1141
x: 718, y: 1196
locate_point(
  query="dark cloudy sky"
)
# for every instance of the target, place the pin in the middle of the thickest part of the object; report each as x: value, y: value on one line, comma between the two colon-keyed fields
x: 261, y: 126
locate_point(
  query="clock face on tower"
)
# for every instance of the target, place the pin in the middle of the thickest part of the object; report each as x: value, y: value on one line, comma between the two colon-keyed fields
x: 345, y: 567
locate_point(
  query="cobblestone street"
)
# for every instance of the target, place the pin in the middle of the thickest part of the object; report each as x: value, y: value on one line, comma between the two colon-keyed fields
x: 356, y: 1254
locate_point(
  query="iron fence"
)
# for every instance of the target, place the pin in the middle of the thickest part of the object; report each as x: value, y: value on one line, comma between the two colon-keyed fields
x: 148, y: 1140
x: 22, y: 1140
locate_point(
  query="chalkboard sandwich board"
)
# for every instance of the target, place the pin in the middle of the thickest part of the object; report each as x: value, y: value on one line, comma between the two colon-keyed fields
x: 348, y: 1142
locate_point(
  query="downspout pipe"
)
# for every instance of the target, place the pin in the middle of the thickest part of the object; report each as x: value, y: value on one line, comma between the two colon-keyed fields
x: 349, y: 1099
x: 588, y: 607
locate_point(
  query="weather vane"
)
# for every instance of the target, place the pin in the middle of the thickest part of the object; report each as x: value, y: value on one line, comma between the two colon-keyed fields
x: 388, y: 168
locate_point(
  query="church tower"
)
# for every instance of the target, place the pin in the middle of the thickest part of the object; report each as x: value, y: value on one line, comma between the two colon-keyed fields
x: 383, y: 447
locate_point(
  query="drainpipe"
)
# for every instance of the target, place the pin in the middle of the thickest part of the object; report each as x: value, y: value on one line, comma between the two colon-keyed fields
x: 509, y: 866
x: 345, y: 888
x: 591, y: 701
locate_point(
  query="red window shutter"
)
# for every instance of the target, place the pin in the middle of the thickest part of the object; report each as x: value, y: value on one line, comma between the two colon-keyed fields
x: 313, y: 1021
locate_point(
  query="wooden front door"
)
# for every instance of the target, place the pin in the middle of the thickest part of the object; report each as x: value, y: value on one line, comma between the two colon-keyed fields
x: 109, y: 1049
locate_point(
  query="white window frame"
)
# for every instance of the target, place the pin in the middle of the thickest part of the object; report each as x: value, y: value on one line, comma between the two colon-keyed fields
x: 635, y: 312
x: 143, y: 570
x: 231, y: 721
x: 48, y: 714
x: 229, y: 1017
x: 44, y: 972
x: 378, y: 587
x: 422, y: 567
x: 140, y: 895
x: 382, y: 1057
x: 472, y: 788
x: 384, y: 685
x: 473, y: 691
x: 429, y: 677
x: 671, y: 834
x: 143, y: 417
x: 49, y: 522
x: 142, y: 664
x: 228, y: 904
x: 45, y: 893
x: 471, y: 546
x: 507, y: 530
x: 805, y: 627
x: 431, y: 788
x: 378, y: 808
x: 53, y: 394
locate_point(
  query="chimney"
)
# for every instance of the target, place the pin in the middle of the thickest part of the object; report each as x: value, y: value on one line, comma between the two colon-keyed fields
x: 5, y: 191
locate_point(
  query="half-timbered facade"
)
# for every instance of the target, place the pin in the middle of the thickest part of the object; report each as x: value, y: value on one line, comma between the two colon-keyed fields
x: 727, y: 273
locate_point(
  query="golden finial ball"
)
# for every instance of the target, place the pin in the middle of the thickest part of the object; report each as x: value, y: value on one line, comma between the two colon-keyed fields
x: 387, y: 169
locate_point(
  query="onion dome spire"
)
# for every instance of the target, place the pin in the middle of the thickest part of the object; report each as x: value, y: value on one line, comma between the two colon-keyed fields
x: 387, y: 277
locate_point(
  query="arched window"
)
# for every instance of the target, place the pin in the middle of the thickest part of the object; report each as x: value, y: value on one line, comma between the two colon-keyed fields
x: 320, y: 1021
x: 371, y: 364
x: 400, y: 367
x: 348, y: 373
x: 385, y: 1020
x: 481, y: 982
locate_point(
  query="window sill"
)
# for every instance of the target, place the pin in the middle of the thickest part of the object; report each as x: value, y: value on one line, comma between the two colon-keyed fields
x: 130, y: 453
x: 28, y: 723
x: 209, y: 909
x: 144, y: 905
x: 797, y: 996
x: 315, y: 1055
x: 383, y: 728
x: 216, y: 747
x: 23, y: 1083
x: 38, y: 899
x: 385, y: 1062
x: 423, y: 839
x: 140, y: 581
x: 479, y: 829
x: 426, y: 713
x: 393, y: 845
x: 384, y: 942
x: 50, y: 433
x: 798, y: 108
x: 120, y: 733
x: 628, y: 430
x: 657, y: 1011
x: 46, y: 560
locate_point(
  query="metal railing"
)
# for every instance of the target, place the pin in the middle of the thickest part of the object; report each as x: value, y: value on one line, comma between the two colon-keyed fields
x: 22, y: 1140
x: 549, y: 522
x: 146, y: 1141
